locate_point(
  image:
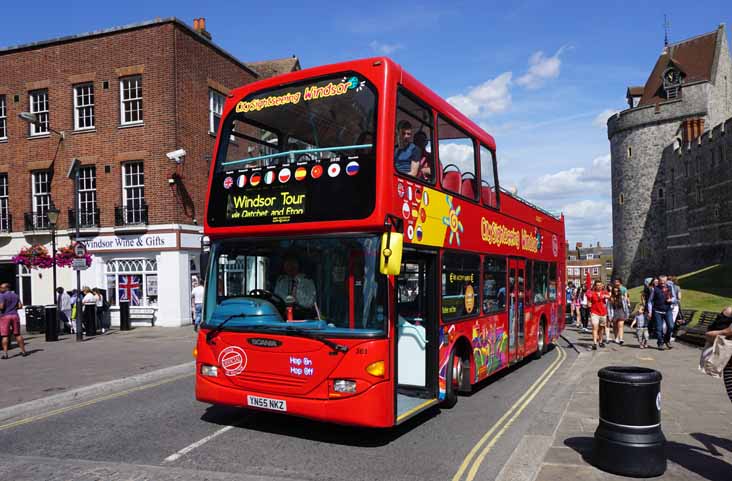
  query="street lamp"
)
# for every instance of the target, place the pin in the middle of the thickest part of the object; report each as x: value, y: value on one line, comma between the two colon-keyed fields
x: 32, y: 118
x: 52, y: 215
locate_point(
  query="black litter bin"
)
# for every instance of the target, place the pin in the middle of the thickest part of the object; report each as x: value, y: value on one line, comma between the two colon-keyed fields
x: 629, y: 440
x: 35, y: 319
x: 51, y: 323
x: 124, y: 315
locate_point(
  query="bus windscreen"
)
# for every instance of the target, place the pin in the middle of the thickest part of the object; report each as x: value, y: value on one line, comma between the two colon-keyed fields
x: 299, y: 153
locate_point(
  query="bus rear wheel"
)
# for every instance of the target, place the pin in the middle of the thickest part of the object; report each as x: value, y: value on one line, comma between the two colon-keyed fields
x: 453, y: 379
x: 540, y: 342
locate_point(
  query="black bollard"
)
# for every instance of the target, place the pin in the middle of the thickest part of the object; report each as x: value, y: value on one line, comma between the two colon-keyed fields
x: 51, y: 324
x: 629, y: 440
x: 124, y: 315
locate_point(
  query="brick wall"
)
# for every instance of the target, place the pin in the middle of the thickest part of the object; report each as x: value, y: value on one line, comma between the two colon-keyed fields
x: 171, y: 61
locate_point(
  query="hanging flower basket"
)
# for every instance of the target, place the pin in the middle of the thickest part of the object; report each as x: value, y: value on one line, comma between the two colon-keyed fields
x: 37, y: 257
x: 65, y: 256
x: 34, y: 257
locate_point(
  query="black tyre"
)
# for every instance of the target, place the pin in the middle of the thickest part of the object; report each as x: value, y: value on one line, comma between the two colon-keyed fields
x: 453, y: 377
x: 540, y: 342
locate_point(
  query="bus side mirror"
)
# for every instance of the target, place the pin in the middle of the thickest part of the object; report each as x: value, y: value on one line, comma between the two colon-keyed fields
x: 390, y: 263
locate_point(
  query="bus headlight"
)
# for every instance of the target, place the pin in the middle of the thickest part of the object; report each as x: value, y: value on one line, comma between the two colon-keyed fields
x: 344, y: 385
x: 211, y: 371
x: 376, y: 369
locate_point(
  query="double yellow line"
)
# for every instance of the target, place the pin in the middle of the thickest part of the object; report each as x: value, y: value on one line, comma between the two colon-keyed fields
x: 481, y: 449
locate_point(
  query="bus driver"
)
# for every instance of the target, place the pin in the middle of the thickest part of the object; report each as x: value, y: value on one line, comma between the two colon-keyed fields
x: 293, y: 286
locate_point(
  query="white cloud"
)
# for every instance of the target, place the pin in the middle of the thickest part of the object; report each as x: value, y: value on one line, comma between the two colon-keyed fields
x: 600, y: 119
x: 570, y: 182
x: 383, y: 48
x: 588, y: 220
x: 460, y: 155
x: 541, y: 68
x: 490, y: 97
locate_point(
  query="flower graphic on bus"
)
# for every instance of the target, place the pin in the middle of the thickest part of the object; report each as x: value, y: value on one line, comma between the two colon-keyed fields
x: 453, y: 221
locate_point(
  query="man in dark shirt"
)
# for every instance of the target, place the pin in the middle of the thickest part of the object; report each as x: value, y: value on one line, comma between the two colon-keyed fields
x: 660, y: 304
x: 9, y: 320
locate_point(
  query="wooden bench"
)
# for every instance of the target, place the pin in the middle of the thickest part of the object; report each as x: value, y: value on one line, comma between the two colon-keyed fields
x: 143, y: 314
x: 695, y: 334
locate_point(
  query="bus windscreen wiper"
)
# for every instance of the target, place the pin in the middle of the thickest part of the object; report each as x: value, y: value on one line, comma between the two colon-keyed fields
x: 303, y: 333
x: 220, y: 326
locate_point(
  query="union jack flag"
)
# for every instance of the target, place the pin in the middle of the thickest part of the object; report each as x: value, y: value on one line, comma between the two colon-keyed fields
x: 130, y: 289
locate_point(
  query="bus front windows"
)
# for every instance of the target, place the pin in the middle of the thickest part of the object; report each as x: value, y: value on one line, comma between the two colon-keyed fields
x: 331, y: 285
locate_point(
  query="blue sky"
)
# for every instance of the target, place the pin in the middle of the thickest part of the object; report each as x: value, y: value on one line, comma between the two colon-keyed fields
x: 541, y: 76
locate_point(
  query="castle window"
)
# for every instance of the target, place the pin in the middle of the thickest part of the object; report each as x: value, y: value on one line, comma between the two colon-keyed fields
x: 699, y: 196
x: 720, y: 149
x: 660, y: 193
x: 686, y: 168
x: 621, y: 199
x: 630, y: 151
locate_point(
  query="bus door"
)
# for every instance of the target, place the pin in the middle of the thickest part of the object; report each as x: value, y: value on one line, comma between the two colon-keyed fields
x: 516, y: 293
x: 416, y: 334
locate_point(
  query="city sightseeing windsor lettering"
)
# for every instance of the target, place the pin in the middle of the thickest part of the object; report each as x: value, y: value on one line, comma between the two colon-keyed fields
x: 312, y: 92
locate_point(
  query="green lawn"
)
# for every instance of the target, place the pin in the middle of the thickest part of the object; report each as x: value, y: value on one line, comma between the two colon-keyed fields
x: 708, y: 289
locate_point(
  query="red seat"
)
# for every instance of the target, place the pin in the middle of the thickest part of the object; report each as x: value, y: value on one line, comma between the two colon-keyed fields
x: 486, y: 195
x: 467, y: 188
x: 451, y: 181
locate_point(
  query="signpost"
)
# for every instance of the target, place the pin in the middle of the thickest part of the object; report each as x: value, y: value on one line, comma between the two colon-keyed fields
x: 79, y: 264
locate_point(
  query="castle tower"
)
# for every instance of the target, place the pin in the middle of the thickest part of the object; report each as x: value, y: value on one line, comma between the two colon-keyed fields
x: 689, y: 90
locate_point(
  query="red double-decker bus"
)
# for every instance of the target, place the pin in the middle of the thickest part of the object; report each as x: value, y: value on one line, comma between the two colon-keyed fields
x: 364, y: 263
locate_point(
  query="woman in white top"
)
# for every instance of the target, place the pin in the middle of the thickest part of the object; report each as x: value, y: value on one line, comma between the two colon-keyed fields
x: 89, y: 317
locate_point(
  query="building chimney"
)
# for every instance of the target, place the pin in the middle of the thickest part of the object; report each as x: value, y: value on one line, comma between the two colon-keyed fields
x: 199, y: 25
x: 691, y: 129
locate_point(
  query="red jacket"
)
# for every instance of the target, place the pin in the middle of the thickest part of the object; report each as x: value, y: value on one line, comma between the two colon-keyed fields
x: 598, y: 304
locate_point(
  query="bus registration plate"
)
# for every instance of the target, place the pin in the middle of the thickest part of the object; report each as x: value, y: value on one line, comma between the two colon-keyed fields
x: 267, y: 403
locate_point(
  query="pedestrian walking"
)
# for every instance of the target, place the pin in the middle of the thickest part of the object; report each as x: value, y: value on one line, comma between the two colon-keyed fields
x: 676, y: 307
x: 660, y: 305
x: 598, y: 313
x: 197, y: 295
x: 722, y: 326
x: 74, y: 298
x: 576, y: 314
x: 584, y: 309
x: 640, y: 322
x: 619, y: 311
x: 9, y: 319
x: 64, y: 308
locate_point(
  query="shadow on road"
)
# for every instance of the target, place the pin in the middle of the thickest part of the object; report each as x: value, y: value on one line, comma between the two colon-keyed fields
x: 312, y: 430
x: 703, y: 461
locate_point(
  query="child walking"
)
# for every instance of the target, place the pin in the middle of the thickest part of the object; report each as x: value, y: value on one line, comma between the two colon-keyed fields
x: 641, y: 327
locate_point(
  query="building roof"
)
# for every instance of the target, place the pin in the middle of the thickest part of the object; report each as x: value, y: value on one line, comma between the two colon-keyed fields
x: 695, y: 57
x: 272, y: 68
x: 635, y: 91
x: 123, y: 28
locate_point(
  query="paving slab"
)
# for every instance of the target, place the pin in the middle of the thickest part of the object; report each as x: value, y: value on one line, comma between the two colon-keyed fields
x: 64, y: 365
x: 696, y: 416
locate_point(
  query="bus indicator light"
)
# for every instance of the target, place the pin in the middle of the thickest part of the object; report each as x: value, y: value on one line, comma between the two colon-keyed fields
x: 376, y: 369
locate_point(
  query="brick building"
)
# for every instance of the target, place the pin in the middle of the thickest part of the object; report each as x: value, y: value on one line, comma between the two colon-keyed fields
x: 596, y: 260
x: 123, y: 98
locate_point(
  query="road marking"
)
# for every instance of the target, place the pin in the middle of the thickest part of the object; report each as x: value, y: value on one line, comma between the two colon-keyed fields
x: 466, y: 462
x: 479, y: 460
x: 417, y: 408
x: 179, y: 454
x: 90, y: 402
